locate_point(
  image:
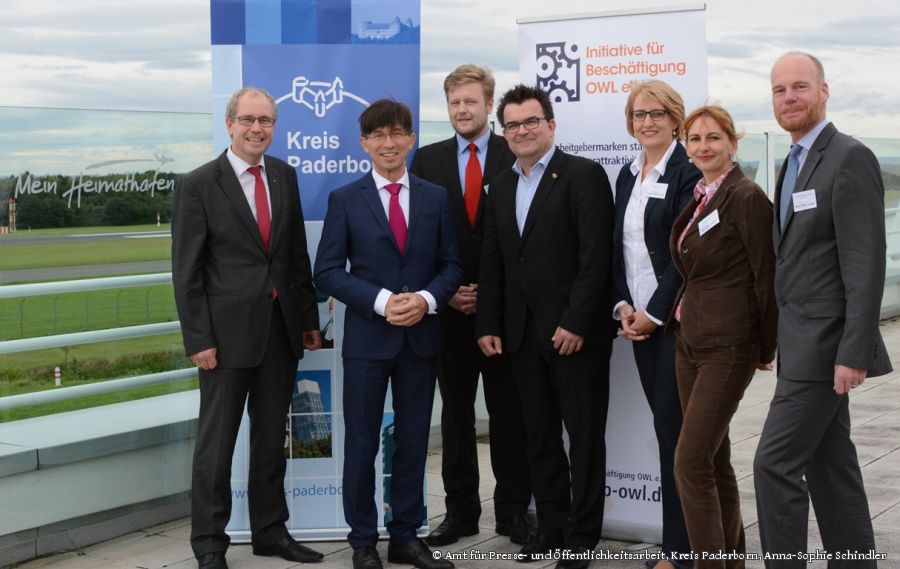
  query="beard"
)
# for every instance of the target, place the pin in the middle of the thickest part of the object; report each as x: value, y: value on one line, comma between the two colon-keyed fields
x: 809, y: 118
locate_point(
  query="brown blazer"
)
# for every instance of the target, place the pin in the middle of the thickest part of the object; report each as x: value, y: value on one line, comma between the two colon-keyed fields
x: 728, y: 293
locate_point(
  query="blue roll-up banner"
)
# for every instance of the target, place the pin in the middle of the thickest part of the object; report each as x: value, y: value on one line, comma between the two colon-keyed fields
x: 324, y: 61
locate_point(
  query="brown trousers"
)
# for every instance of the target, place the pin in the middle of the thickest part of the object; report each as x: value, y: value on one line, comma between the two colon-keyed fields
x: 711, y: 383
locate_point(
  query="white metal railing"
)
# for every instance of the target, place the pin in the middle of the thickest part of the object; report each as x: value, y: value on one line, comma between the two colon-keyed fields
x: 83, y: 285
x: 93, y: 336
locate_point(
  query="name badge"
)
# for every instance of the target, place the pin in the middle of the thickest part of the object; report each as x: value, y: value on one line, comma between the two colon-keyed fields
x: 804, y: 200
x: 708, y: 222
x: 657, y: 190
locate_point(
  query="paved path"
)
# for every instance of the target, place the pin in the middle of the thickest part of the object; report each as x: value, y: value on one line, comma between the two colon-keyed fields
x: 875, y: 412
x: 84, y: 272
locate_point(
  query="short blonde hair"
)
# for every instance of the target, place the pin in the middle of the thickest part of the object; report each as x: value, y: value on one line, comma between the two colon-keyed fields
x: 468, y: 73
x: 667, y: 97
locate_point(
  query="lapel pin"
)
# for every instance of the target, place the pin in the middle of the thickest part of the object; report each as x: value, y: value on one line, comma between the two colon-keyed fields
x: 553, y: 175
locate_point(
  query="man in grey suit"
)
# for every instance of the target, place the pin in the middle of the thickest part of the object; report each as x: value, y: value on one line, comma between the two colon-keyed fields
x: 244, y: 293
x: 830, y: 259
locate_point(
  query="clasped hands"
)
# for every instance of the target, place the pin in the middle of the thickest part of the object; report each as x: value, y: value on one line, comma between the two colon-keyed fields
x: 564, y: 342
x: 465, y: 298
x: 405, y: 309
x: 636, y: 326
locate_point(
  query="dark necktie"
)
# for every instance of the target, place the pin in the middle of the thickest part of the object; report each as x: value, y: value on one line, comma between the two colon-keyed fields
x: 395, y: 216
x: 790, y: 180
x: 263, y: 219
x: 473, y: 184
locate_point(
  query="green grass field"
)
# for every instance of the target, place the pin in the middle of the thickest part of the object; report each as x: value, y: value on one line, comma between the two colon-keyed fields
x: 75, y: 312
x: 45, y: 255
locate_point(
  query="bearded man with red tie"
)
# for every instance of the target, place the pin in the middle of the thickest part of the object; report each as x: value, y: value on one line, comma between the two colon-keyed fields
x: 395, y: 231
x: 246, y: 302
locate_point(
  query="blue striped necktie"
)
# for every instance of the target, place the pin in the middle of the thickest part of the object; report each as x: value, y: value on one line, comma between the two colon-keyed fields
x: 790, y: 180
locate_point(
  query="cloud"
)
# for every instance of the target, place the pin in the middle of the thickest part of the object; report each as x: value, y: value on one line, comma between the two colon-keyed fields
x: 154, y: 54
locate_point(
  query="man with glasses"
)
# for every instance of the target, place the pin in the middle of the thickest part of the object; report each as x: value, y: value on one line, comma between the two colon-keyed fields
x: 395, y: 231
x: 246, y: 302
x: 465, y: 165
x: 543, y: 299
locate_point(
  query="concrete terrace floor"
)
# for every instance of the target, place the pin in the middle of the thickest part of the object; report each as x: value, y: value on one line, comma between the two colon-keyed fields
x: 875, y: 411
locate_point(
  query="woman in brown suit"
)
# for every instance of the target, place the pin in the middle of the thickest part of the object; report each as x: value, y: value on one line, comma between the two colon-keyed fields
x: 725, y: 320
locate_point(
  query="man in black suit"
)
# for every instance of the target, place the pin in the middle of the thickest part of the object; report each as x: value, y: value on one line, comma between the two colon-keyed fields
x: 543, y: 299
x: 245, y: 298
x: 465, y: 165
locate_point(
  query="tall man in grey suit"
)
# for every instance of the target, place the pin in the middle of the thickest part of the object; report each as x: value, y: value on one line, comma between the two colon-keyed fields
x: 830, y: 260
x: 543, y: 299
x: 465, y: 165
x: 244, y: 293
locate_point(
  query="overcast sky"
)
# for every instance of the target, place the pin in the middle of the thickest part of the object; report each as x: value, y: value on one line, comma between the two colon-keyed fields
x: 154, y: 54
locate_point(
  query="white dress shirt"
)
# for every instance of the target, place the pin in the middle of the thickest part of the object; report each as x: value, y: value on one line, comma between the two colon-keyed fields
x: 385, y: 196
x: 527, y: 186
x: 248, y: 180
x: 639, y: 273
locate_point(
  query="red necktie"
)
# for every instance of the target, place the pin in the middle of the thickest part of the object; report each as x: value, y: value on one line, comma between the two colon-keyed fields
x: 395, y: 216
x: 263, y: 219
x: 473, y: 184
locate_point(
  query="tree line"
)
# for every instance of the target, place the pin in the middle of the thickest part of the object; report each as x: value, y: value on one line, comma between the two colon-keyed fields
x: 45, y: 210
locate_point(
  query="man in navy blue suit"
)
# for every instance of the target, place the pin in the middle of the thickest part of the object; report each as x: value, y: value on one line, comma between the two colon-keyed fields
x: 396, y: 232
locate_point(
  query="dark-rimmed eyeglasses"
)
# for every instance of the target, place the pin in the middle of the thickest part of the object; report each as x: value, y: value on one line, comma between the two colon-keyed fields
x: 656, y: 115
x: 248, y: 120
x: 530, y: 123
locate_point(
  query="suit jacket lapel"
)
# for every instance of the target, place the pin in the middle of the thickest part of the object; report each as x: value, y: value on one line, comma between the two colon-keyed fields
x: 231, y: 187
x: 415, y: 206
x: 621, y: 206
x: 450, y: 164
x: 491, y: 169
x: 277, y: 211
x: 543, y: 191
x: 717, y: 200
x: 809, y: 166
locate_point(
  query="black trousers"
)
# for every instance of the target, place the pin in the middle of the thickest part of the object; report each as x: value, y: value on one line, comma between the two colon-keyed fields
x: 460, y: 365
x: 655, y: 360
x: 571, y: 390
x: 267, y: 390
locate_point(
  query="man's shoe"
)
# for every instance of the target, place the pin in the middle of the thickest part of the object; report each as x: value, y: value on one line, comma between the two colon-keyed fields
x: 517, y: 528
x: 366, y: 557
x: 289, y: 550
x: 416, y: 553
x: 538, y: 547
x: 212, y: 560
x: 450, y: 530
x: 577, y: 557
